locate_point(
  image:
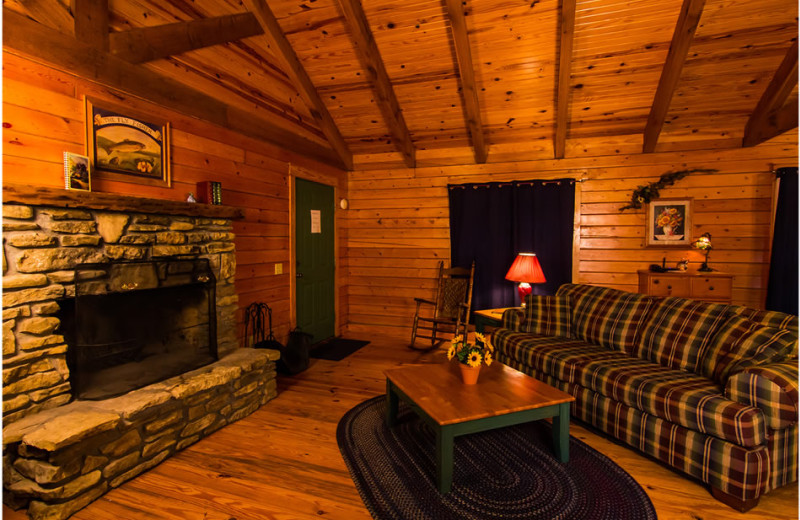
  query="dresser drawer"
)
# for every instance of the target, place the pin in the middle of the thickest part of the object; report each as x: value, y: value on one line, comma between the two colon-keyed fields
x: 668, y: 286
x: 712, y: 288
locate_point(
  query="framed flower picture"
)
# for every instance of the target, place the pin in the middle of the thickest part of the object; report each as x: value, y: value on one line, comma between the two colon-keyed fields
x: 669, y: 223
x: 126, y: 146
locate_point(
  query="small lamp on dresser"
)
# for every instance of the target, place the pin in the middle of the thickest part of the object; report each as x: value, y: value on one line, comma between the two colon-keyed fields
x: 704, y: 244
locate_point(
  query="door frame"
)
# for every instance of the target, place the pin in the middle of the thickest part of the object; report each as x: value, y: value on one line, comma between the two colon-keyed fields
x: 296, y: 172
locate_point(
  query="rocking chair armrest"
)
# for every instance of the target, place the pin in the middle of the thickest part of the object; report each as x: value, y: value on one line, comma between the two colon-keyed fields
x: 422, y: 300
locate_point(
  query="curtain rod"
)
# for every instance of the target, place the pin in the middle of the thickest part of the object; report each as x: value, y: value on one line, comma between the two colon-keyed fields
x: 503, y: 184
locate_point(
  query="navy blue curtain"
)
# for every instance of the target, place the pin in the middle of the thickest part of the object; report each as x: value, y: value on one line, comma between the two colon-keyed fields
x: 491, y: 222
x: 782, y: 285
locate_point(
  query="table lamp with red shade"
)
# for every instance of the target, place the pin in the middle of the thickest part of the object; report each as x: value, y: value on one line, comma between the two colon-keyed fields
x: 525, y: 270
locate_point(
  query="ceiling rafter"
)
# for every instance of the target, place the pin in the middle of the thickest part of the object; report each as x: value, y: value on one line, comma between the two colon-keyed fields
x: 564, y: 73
x: 689, y: 18
x: 278, y: 41
x: 466, y: 71
x: 40, y: 43
x: 52, y: 14
x: 370, y: 58
x: 765, y: 121
x: 91, y: 22
x: 145, y: 44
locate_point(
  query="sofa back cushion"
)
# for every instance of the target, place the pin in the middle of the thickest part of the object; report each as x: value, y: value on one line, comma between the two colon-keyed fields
x: 607, y: 317
x: 547, y: 315
x: 740, y: 343
x: 779, y: 320
x: 678, y: 331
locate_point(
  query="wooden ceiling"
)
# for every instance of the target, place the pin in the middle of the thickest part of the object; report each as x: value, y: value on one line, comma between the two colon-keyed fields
x: 412, y: 82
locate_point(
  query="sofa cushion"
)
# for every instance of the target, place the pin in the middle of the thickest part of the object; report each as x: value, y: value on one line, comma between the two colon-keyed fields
x: 775, y: 319
x: 605, y: 316
x: 683, y: 398
x: 548, y: 315
x: 678, y: 331
x: 740, y: 343
x: 559, y: 357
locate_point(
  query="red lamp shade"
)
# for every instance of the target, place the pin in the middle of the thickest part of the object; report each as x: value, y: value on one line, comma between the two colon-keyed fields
x: 525, y: 270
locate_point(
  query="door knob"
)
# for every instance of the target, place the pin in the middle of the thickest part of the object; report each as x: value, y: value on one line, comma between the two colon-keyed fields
x: 299, y: 275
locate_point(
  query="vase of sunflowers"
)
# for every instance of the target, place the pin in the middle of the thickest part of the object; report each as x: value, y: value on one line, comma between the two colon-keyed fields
x: 471, y: 356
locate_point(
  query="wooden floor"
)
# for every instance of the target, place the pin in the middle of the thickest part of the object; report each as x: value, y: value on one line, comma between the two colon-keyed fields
x: 282, y: 462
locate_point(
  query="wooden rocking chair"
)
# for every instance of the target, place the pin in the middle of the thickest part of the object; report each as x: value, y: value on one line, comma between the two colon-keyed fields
x: 450, y: 309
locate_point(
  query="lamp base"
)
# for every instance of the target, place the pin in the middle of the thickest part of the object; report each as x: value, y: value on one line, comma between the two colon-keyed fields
x: 524, y: 290
x: 704, y: 268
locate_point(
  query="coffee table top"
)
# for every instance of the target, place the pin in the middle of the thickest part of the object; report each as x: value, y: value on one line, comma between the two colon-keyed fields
x: 438, y: 390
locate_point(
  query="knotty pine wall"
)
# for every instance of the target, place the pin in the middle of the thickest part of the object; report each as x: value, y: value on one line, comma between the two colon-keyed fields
x: 43, y: 116
x: 398, y: 228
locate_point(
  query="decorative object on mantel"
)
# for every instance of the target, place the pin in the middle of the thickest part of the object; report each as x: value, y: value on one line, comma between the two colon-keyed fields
x: 704, y: 244
x: 125, y: 146
x: 77, y: 174
x: 209, y: 192
x: 669, y: 223
x: 190, y: 197
x: 525, y: 270
x: 471, y: 356
x: 644, y: 194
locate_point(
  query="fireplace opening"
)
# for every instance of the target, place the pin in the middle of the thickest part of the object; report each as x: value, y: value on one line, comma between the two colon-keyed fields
x: 132, y: 324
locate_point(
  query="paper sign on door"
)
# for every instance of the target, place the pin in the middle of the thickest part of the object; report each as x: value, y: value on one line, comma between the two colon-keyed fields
x: 316, y: 221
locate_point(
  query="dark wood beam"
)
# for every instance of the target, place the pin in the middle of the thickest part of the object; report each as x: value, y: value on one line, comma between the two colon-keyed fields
x: 91, y: 22
x: 152, y: 43
x: 371, y: 60
x: 777, y: 92
x: 564, y: 74
x: 689, y: 18
x: 52, y: 14
x: 295, y: 70
x: 35, y: 41
x: 466, y: 71
x: 775, y: 123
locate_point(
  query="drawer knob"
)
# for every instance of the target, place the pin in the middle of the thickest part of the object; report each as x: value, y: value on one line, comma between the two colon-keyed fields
x: 669, y: 287
x: 710, y: 287
x: 656, y: 281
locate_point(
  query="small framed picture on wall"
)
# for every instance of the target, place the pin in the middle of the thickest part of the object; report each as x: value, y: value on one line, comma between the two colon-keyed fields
x: 669, y: 223
x: 77, y: 175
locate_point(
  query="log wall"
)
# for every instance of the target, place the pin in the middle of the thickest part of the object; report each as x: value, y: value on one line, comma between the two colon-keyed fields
x: 43, y: 116
x: 398, y: 227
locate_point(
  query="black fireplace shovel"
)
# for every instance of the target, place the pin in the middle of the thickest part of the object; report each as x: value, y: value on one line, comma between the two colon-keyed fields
x: 255, y: 316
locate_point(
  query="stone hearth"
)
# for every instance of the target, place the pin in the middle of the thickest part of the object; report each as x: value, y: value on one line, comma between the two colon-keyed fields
x: 60, y: 454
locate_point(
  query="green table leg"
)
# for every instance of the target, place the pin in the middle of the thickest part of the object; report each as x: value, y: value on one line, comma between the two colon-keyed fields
x: 561, y: 433
x: 444, y: 458
x: 391, y: 404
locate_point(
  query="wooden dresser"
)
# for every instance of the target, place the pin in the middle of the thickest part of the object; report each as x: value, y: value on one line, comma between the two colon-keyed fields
x: 711, y: 287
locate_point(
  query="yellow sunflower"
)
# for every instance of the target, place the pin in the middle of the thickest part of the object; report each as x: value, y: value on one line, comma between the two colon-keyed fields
x: 456, y: 340
x: 451, y: 352
x: 474, y: 359
x: 488, y: 359
x: 664, y: 221
x: 480, y: 337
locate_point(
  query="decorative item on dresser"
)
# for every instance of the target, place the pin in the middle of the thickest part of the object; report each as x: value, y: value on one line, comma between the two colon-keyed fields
x: 711, y: 287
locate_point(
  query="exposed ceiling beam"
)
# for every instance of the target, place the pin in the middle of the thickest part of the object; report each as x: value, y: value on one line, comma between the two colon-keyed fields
x: 370, y: 58
x: 55, y: 15
x: 472, y: 107
x: 773, y: 98
x: 775, y: 123
x: 284, y: 51
x: 91, y: 22
x: 564, y: 73
x: 689, y: 18
x: 33, y: 40
x: 152, y: 43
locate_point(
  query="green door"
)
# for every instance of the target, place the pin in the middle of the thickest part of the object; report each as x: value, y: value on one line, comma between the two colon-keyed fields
x: 315, y: 259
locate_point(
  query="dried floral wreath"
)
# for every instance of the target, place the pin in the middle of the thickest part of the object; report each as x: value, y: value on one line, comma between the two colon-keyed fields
x: 644, y: 194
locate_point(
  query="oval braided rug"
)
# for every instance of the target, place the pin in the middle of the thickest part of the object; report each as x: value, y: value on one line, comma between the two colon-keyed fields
x: 505, y: 473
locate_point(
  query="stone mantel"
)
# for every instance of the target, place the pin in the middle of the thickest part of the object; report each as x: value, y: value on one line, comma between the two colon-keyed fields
x: 62, y: 198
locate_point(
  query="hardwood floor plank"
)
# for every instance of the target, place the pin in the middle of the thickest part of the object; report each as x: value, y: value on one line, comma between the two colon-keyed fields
x: 283, y: 463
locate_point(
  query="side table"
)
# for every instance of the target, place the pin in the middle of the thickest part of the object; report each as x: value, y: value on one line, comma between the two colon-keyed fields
x: 489, y: 318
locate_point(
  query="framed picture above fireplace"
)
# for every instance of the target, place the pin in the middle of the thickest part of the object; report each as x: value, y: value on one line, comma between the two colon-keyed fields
x: 669, y: 223
x: 127, y: 146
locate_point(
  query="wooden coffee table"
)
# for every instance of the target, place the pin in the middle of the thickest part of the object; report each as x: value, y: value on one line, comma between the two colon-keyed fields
x: 502, y: 397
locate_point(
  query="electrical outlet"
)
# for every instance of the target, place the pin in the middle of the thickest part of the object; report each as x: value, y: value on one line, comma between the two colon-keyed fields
x: 279, y: 268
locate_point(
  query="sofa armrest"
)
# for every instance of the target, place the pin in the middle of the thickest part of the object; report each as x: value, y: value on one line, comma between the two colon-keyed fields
x: 771, y: 388
x: 512, y: 319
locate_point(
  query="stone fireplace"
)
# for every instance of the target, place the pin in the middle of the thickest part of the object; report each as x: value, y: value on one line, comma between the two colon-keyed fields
x: 100, y: 293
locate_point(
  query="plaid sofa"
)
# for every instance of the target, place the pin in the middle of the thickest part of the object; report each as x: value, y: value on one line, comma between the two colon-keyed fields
x: 709, y: 389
